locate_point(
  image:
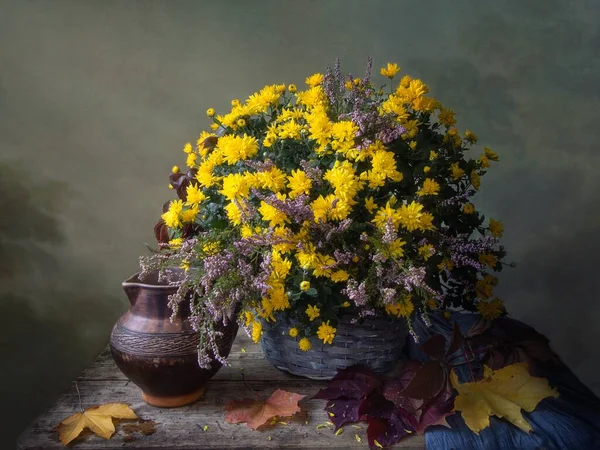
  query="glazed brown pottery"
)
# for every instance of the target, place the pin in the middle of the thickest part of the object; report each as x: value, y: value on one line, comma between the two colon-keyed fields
x: 158, y: 355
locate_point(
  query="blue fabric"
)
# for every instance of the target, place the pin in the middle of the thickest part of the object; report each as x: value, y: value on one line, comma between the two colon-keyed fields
x: 571, y: 421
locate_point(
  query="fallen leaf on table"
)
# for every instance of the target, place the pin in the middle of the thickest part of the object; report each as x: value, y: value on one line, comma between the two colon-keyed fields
x: 256, y: 413
x: 99, y: 419
x: 500, y: 393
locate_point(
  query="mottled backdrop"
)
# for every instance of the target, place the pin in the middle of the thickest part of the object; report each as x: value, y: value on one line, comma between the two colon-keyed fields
x: 98, y: 98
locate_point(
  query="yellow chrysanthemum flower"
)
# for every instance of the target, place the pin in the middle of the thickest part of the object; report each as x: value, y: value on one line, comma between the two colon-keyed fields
x: 468, y: 208
x: 322, y: 265
x: 312, y: 98
x: 446, y: 117
x: 410, y: 216
x: 279, y: 298
x: 172, y: 217
x: 292, y: 88
x: 384, y: 163
x: 426, y: 251
x: 189, y: 215
x: 456, y: 172
x: 430, y: 187
x: 496, y: 228
x: 176, y: 243
x: 293, y: 332
x: 402, y: 308
x: 326, y: 333
x: 339, y: 276
x: 289, y: 130
x: 485, y: 287
x: 187, y: 148
x: 488, y: 259
x: 490, y: 310
x: 313, y: 312
x: 304, y: 344
x: 194, y: 195
x: 390, y: 71
x: 370, y: 204
x: 471, y: 137
x: 475, y: 180
x: 305, y: 285
x: 386, y: 214
x: 271, y: 214
x: 234, y: 214
x: 235, y: 186
x: 210, y: 112
x: 395, y: 248
x: 237, y: 148
x: 314, y: 79
x: 491, y: 154
x: 298, y: 183
x: 256, y: 331
x: 248, y: 317
x: 446, y: 264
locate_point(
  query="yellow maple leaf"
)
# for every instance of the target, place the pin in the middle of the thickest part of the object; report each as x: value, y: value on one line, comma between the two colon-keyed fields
x: 500, y: 393
x: 96, y: 418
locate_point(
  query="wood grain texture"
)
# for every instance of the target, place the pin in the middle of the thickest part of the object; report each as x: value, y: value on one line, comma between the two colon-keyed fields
x: 182, y: 428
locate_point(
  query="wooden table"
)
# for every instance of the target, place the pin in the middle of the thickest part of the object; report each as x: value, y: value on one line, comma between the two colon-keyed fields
x: 183, y: 428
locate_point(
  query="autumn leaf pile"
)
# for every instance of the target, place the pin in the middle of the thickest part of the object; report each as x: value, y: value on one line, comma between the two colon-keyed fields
x: 424, y: 394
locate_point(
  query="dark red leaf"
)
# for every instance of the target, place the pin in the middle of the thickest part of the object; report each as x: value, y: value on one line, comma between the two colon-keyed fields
x: 436, y: 410
x: 385, y: 432
x: 210, y: 142
x: 360, y: 373
x: 344, y: 411
x: 393, y: 389
x: 429, y: 380
x: 387, y: 423
x: 161, y: 232
x: 509, y: 341
x: 344, y: 389
x: 435, y: 347
x: 456, y: 341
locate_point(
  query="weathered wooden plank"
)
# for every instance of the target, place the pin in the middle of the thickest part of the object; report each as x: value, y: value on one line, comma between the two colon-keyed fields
x: 182, y: 428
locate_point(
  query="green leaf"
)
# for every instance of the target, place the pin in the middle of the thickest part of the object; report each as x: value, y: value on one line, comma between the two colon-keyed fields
x: 312, y: 292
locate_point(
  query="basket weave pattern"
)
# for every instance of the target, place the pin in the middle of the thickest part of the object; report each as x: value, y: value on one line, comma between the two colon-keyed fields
x: 376, y: 343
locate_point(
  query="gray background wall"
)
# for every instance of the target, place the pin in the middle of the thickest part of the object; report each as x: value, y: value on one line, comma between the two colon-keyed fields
x: 98, y: 98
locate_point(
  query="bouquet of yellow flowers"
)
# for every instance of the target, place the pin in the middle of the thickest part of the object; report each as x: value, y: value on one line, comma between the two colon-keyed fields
x: 342, y: 198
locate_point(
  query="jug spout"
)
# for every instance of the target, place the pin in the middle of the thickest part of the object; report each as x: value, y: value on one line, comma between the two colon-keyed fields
x: 131, y: 286
x: 151, y: 286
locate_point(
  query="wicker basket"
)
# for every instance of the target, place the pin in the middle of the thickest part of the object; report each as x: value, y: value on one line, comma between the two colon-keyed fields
x: 376, y: 343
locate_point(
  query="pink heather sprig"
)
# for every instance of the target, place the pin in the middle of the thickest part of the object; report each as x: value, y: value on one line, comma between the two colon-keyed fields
x: 260, y: 166
x: 344, y: 258
x: 390, y: 234
x: 315, y: 174
x: 356, y: 292
x: 458, y: 198
x: 389, y: 295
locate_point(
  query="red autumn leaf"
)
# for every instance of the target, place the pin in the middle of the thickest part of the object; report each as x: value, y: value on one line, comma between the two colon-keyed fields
x: 427, y: 383
x: 343, y: 411
x: 436, y: 411
x: 387, y: 422
x: 256, y: 413
x: 393, y: 389
x: 352, y: 382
